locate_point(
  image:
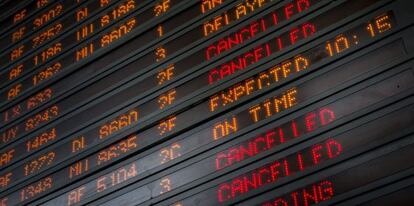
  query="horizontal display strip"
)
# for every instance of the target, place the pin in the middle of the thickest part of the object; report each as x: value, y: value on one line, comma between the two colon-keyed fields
x: 329, y: 148
x: 149, y: 107
x: 69, y: 147
x: 105, y: 14
x: 193, y: 141
x: 100, y: 67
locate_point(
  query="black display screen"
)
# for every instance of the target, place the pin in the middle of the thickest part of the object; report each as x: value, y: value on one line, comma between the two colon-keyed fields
x: 102, y: 132
x: 169, y: 102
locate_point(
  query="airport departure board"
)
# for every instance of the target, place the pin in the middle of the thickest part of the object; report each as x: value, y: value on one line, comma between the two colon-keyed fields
x: 206, y: 102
